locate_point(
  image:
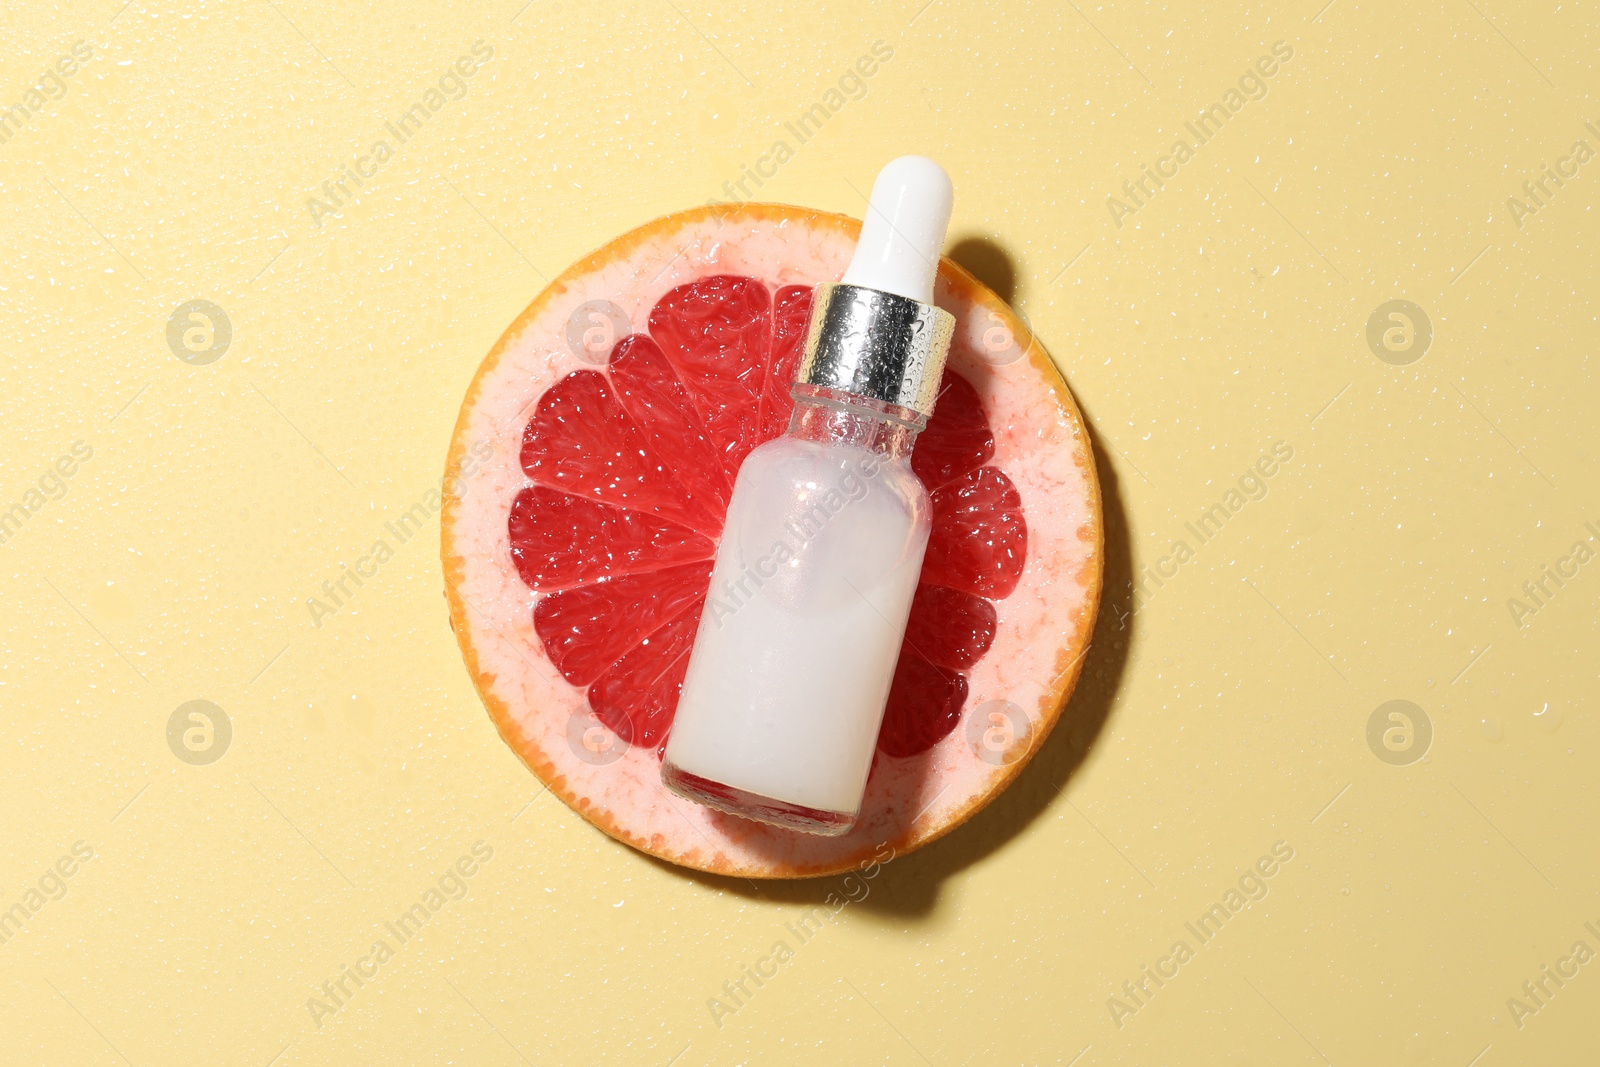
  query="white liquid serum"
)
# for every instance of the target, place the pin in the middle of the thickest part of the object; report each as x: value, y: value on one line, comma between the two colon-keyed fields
x: 790, y: 672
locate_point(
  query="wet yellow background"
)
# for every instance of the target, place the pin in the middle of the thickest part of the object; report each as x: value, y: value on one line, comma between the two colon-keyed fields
x: 1221, y: 713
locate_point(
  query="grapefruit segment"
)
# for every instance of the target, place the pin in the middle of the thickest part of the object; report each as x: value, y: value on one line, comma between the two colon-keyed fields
x: 577, y: 575
x: 581, y: 440
x: 716, y: 332
x: 637, y: 695
x: 980, y: 538
x: 663, y: 410
x: 791, y: 314
x: 949, y: 627
x: 559, y: 541
x: 957, y: 439
x: 578, y: 626
x: 924, y: 706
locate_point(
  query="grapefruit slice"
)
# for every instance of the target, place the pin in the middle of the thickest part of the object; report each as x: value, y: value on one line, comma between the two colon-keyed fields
x: 577, y: 555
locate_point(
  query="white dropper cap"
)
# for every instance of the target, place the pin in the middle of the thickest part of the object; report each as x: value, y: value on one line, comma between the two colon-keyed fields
x: 904, y: 230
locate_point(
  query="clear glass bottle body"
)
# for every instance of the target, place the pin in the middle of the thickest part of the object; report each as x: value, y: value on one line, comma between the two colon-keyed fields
x: 791, y: 667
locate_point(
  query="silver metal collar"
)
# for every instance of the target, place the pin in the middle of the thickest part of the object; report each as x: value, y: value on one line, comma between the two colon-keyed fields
x: 876, y: 345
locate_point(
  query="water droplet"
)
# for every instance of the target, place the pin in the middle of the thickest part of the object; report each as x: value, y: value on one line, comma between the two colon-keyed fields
x: 1491, y: 728
x: 1548, y: 717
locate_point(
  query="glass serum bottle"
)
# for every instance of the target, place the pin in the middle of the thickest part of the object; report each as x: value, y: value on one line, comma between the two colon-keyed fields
x: 779, y: 713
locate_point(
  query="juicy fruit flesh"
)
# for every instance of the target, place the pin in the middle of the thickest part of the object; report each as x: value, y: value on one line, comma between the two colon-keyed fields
x: 632, y: 467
